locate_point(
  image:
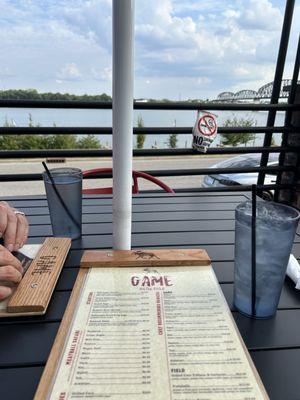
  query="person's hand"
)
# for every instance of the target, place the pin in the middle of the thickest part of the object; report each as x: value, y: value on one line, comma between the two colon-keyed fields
x: 13, y: 227
x: 10, y: 271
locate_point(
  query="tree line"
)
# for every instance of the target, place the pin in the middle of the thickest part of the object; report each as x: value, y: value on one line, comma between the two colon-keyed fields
x: 33, y: 94
x: 38, y: 142
x: 71, y: 141
x: 47, y: 142
x: 65, y: 141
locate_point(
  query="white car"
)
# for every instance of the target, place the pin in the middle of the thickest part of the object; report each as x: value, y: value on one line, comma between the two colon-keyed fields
x: 242, y: 178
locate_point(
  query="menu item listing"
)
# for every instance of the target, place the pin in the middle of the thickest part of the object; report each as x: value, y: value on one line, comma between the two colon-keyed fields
x: 154, y: 334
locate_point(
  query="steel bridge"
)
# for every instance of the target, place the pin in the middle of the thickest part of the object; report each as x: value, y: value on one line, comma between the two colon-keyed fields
x: 263, y: 93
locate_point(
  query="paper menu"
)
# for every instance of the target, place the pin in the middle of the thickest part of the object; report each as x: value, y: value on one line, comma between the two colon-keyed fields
x: 154, y: 333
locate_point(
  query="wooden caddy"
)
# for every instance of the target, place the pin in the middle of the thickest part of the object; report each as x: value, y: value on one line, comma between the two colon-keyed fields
x: 116, y: 259
x: 34, y: 292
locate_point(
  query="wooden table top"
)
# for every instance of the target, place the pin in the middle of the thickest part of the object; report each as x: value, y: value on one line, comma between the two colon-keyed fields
x: 191, y: 220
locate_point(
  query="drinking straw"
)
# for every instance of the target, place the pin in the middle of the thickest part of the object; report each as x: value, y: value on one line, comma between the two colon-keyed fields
x: 253, y: 252
x: 59, y: 196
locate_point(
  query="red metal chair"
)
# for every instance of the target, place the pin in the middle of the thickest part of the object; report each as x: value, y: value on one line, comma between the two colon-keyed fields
x: 135, y: 176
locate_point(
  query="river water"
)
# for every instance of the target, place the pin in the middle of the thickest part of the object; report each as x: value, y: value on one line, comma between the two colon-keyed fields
x: 151, y: 118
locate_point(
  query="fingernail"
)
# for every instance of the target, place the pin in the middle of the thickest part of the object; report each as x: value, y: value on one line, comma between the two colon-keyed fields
x: 16, y: 246
x: 7, y: 291
x: 10, y: 247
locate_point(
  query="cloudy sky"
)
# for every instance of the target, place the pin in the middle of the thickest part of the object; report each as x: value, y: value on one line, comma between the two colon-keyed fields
x: 183, y: 48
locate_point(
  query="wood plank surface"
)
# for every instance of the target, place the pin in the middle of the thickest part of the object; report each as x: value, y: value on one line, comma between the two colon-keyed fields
x: 215, y: 215
x: 139, y: 200
x: 175, y: 239
x: 142, y: 208
x: 145, y: 198
x: 144, y: 227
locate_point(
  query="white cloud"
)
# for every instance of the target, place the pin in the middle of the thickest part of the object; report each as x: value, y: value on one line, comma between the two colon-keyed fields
x: 260, y: 14
x: 230, y: 13
x: 193, y: 47
x: 203, y: 80
x: 106, y: 74
x: 241, y: 71
x: 5, y: 72
x: 70, y: 71
x: 255, y: 78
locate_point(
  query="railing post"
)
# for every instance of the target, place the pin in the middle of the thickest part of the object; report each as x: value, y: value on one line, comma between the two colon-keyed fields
x: 284, y: 41
x: 292, y: 196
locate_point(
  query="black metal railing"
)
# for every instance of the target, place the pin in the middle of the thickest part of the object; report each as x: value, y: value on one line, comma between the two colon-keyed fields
x: 290, y: 108
x: 171, y: 105
x: 287, y: 129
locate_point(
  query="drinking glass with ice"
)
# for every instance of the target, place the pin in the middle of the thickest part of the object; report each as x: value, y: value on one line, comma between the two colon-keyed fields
x: 276, y: 226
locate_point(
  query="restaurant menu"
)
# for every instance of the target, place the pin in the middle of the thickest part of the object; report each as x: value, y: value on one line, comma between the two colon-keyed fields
x: 154, y: 334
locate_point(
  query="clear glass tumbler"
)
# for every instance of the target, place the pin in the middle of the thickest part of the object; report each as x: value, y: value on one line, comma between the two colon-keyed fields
x: 276, y: 226
x: 68, y: 183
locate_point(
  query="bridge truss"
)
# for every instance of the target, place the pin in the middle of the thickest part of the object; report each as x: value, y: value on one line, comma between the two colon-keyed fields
x: 263, y: 93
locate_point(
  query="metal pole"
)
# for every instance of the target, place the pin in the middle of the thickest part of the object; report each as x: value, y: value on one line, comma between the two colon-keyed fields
x: 285, y: 35
x: 287, y: 123
x: 123, y: 23
x: 294, y: 198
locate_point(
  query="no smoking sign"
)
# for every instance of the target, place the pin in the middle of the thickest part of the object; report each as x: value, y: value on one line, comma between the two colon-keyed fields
x: 207, y: 125
x: 205, y: 131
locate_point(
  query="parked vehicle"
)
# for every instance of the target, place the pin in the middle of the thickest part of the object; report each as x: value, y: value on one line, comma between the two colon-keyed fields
x: 243, y: 178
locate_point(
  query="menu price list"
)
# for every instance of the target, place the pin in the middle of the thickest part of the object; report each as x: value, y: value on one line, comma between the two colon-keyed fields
x: 154, y: 334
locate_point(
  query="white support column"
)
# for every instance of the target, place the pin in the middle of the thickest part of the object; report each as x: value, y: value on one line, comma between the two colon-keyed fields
x: 123, y: 37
